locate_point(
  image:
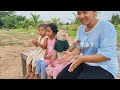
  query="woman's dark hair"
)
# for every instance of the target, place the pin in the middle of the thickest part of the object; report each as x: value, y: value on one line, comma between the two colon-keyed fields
x: 53, y: 27
x: 42, y: 25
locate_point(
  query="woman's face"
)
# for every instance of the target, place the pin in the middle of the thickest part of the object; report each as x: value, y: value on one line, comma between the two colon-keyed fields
x: 86, y: 17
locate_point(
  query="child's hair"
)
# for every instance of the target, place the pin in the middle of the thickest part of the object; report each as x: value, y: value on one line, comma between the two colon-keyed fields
x: 53, y: 27
x: 42, y: 25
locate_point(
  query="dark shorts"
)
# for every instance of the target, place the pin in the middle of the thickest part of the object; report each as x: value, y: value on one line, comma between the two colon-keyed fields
x: 84, y: 71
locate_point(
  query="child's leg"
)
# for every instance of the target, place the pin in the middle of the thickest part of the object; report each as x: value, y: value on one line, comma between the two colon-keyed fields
x: 30, y: 67
x: 32, y: 74
x: 33, y: 69
x: 29, y: 70
x: 37, y: 70
x: 43, y: 71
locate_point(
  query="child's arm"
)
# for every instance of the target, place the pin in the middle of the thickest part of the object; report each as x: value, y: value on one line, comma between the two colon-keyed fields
x: 44, y: 45
x: 35, y: 42
x: 54, y: 54
x: 45, y: 55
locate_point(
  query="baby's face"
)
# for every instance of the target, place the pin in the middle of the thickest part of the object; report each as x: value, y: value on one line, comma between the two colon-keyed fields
x: 62, y: 35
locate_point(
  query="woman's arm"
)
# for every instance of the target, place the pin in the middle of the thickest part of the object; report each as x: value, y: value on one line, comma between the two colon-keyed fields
x: 92, y: 59
x: 76, y: 51
x: 73, y: 46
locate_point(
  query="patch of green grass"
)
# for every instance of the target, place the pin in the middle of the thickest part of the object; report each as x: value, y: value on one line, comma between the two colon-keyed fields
x: 11, y: 43
x: 20, y: 33
x: 27, y: 31
x: 72, y: 33
x: 3, y: 37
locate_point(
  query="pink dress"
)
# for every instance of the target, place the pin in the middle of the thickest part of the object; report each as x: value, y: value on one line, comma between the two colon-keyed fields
x: 50, y: 47
x: 54, y: 71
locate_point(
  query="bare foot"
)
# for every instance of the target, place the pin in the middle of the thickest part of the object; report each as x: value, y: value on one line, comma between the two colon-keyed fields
x: 36, y: 77
x: 31, y: 76
x: 27, y: 75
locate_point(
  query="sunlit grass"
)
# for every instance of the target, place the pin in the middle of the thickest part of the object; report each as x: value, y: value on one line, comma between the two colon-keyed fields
x: 11, y: 43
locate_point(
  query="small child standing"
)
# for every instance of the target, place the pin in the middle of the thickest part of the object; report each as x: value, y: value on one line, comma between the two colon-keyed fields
x: 38, y: 53
x: 40, y: 71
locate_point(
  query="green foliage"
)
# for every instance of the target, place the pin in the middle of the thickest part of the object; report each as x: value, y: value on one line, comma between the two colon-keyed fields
x: 1, y: 23
x: 9, y: 22
x: 4, y: 16
x: 34, y: 19
x: 118, y: 34
x: 26, y: 23
x: 75, y: 20
x: 55, y: 21
x: 115, y: 19
x: 117, y: 27
x: 72, y: 33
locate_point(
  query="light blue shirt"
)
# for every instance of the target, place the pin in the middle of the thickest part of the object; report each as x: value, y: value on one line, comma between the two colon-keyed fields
x: 101, y: 39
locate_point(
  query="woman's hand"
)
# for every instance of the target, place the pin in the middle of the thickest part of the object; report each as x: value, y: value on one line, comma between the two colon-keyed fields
x: 66, y: 58
x: 76, y: 62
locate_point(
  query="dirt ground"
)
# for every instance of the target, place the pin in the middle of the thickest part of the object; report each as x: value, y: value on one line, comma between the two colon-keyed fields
x: 10, y: 60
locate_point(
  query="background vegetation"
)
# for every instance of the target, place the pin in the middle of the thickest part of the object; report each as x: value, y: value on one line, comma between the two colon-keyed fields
x: 9, y: 21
